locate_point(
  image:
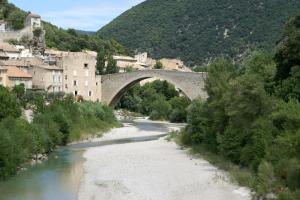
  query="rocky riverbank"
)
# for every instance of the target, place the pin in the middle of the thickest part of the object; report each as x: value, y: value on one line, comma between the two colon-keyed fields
x: 151, y: 169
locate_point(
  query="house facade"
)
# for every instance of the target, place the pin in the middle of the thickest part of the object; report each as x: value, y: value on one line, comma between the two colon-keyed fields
x: 9, y: 51
x: 46, y: 77
x: 126, y: 61
x: 2, y: 26
x: 79, y: 75
x: 33, y: 21
x: 11, y: 76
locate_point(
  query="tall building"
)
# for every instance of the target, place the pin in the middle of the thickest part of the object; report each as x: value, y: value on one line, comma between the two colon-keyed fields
x: 79, y: 75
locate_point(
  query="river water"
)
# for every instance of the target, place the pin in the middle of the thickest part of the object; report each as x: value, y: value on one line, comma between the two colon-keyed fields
x: 133, y: 162
x: 58, y: 178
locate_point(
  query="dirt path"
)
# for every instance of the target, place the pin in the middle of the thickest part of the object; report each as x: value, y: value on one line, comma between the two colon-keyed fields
x: 152, y: 170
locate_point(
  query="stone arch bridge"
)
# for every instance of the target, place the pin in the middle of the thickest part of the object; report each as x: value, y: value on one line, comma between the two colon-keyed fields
x: 113, y: 86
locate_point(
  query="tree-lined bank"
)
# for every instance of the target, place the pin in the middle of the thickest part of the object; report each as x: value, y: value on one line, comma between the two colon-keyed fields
x: 54, y: 124
x: 252, y: 118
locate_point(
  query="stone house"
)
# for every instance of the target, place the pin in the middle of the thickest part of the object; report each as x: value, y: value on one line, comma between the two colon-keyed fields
x: 53, y: 57
x: 9, y: 51
x: 174, y: 64
x: 3, y: 76
x: 24, y: 53
x: 47, y: 77
x: 141, y: 57
x: 22, y: 64
x: 79, y: 75
x: 33, y: 21
x: 3, y: 26
x: 11, y: 76
x: 126, y: 61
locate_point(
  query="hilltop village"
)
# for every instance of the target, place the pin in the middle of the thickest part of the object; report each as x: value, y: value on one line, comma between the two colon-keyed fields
x: 51, y: 70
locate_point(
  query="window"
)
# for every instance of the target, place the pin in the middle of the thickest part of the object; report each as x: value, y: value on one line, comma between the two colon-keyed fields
x: 76, y: 93
x: 86, y: 65
x: 66, y: 86
x: 66, y: 77
x: 96, y: 83
x: 75, y: 83
x: 90, y: 93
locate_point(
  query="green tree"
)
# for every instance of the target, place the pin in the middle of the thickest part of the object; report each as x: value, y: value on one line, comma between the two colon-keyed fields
x: 129, y: 68
x: 16, y: 19
x: 160, y: 108
x: 288, y: 61
x: 8, y: 104
x: 37, y: 32
x: 111, y: 67
x: 179, y: 109
x: 19, y: 90
x: 100, y: 66
x: 158, y: 65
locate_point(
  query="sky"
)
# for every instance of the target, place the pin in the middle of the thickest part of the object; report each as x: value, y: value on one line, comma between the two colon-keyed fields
x: 88, y: 15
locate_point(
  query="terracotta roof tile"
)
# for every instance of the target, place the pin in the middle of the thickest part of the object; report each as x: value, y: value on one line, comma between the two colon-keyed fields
x: 34, y: 15
x: 18, y: 63
x: 15, y: 72
x: 8, y: 47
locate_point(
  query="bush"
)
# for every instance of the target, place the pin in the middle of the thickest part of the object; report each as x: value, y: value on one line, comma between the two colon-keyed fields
x: 8, y: 104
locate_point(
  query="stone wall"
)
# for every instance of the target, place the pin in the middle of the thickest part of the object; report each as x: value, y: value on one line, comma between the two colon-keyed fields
x: 115, y: 85
x: 17, y: 35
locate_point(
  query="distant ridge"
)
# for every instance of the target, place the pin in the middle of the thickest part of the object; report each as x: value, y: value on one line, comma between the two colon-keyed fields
x: 199, y: 30
x: 89, y: 33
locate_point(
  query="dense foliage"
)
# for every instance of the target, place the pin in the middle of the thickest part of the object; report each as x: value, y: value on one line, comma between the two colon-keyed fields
x: 70, y: 40
x: 158, y: 99
x: 55, y: 124
x: 248, y: 120
x: 65, y: 40
x: 288, y: 61
x: 198, y: 30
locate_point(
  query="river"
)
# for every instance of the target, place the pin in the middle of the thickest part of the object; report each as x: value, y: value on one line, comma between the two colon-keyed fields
x: 132, y: 162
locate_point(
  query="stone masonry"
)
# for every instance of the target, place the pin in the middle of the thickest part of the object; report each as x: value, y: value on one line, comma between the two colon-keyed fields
x: 113, y: 86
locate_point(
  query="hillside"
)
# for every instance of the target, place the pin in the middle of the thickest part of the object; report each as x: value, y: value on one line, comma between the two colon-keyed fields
x: 198, y: 30
x: 65, y: 40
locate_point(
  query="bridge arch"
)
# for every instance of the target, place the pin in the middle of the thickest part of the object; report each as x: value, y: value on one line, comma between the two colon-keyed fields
x: 113, y: 86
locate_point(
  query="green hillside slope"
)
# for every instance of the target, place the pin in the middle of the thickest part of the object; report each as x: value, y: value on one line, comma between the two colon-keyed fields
x: 199, y: 30
x: 66, y: 40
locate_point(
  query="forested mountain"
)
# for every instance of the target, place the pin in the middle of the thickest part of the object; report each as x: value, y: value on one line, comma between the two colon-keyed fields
x: 198, y: 30
x: 66, y: 40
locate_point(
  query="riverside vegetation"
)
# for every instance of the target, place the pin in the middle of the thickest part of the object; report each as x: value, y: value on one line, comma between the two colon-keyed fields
x: 250, y: 124
x: 159, y: 100
x: 56, y: 123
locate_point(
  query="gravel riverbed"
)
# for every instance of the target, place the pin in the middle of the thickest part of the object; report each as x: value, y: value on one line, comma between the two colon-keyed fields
x: 151, y: 170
